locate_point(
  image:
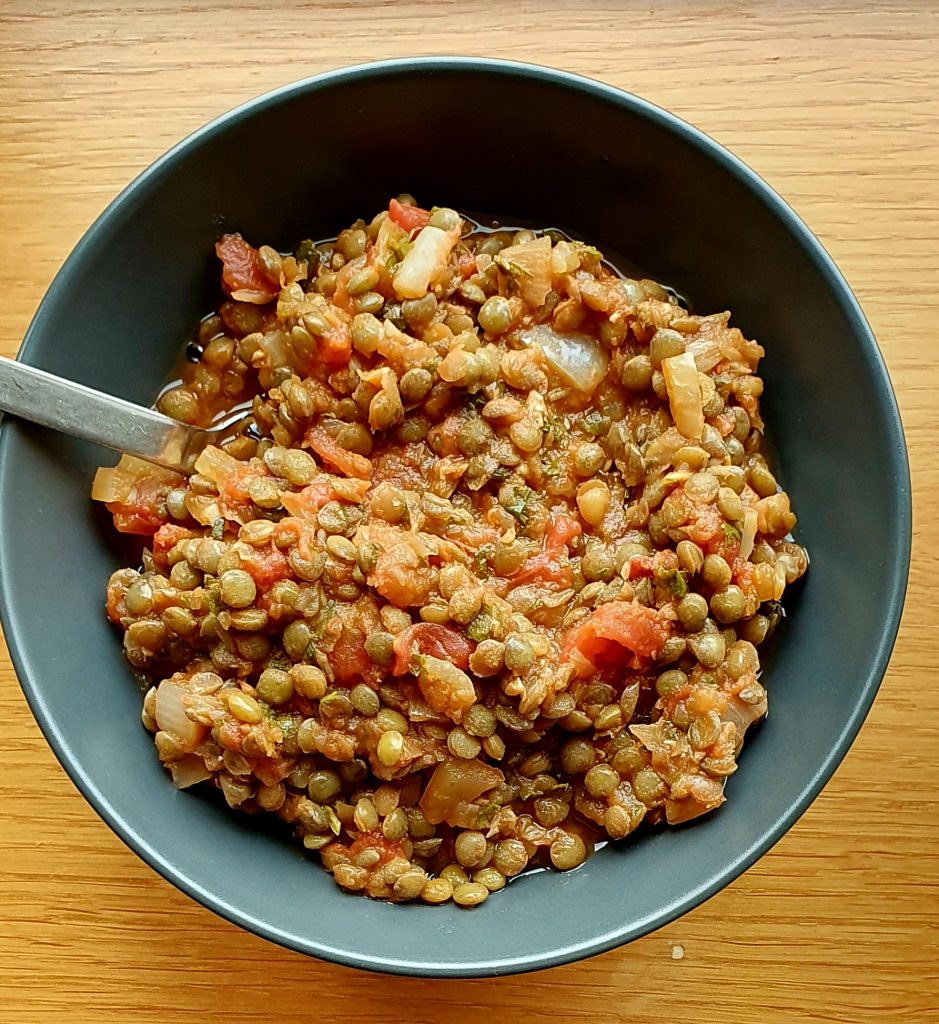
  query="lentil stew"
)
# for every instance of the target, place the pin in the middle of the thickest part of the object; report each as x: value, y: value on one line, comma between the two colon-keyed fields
x: 481, y: 582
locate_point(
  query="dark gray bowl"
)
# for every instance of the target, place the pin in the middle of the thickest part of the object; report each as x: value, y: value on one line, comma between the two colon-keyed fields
x: 552, y: 148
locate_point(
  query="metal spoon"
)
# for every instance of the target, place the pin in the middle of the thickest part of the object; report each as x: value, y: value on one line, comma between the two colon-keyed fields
x: 94, y: 416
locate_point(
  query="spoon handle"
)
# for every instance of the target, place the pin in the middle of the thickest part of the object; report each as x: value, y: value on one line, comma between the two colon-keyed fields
x: 74, y: 409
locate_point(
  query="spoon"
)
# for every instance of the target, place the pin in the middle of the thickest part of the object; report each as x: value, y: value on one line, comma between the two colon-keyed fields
x: 74, y: 409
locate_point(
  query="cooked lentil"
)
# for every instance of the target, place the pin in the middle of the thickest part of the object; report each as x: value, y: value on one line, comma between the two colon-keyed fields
x: 482, y: 581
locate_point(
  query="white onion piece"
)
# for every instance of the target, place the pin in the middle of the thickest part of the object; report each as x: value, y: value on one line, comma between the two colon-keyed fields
x: 684, y: 394
x: 530, y: 264
x: 117, y: 483
x: 743, y: 715
x: 577, y: 359
x: 706, y: 352
x: 188, y: 770
x: 279, y: 351
x: 217, y: 465
x: 171, y: 716
x: 110, y: 484
x: 748, y: 533
x: 425, y: 261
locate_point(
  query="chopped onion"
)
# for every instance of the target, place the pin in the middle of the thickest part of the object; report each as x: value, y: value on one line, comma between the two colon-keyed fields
x: 188, y: 770
x: 564, y: 259
x: 577, y: 359
x: 391, y: 240
x: 706, y: 352
x: 530, y: 265
x: 117, y: 483
x: 279, y: 351
x: 684, y: 394
x: 204, y: 508
x: 743, y: 715
x: 456, y: 782
x: 171, y: 716
x: 425, y: 261
x: 748, y: 533
x: 217, y: 465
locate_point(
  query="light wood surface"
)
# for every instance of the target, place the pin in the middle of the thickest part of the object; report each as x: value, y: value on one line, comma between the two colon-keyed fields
x: 837, y: 106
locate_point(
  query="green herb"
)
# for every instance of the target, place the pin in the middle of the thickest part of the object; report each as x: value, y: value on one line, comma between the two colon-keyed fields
x: 518, y: 504
x: 480, y: 628
x: 318, y: 630
x: 486, y: 813
x: 556, y: 429
x: 731, y: 533
x: 481, y: 560
x: 676, y: 581
x: 218, y: 529
x: 306, y: 251
x: 500, y: 473
x: 594, y: 423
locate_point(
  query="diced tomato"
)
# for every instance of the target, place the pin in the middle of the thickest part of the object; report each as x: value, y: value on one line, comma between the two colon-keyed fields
x: 561, y: 532
x: 311, y: 499
x: 144, y: 512
x: 241, y: 270
x: 407, y: 216
x: 744, y: 575
x: 271, y: 770
x: 266, y: 565
x: 335, y: 346
x: 350, y: 463
x: 466, y: 264
x: 349, y: 660
x: 386, y: 849
x: 640, y: 565
x: 429, y: 638
x: 546, y: 567
x: 445, y: 437
x: 616, y: 635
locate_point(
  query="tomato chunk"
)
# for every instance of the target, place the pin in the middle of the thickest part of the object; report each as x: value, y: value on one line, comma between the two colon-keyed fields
x: 618, y: 634
x: 429, y: 638
x: 242, y: 271
x: 407, y: 216
x: 350, y: 463
x: 144, y: 511
x: 547, y: 566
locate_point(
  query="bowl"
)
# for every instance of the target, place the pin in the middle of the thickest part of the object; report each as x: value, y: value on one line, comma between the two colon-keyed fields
x: 552, y: 148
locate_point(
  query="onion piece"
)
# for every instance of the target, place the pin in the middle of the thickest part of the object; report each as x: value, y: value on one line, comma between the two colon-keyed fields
x: 456, y: 782
x: 218, y: 465
x: 530, y: 265
x: 748, y: 533
x: 117, y: 483
x: 171, y: 716
x: 564, y: 259
x: 577, y: 359
x: 425, y: 261
x: 706, y: 352
x: 188, y: 771
x: 276, y: 345
x: 684, y: 394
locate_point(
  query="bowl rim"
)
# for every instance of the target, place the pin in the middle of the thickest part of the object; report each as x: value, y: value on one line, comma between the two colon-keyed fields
x: 16, y: 634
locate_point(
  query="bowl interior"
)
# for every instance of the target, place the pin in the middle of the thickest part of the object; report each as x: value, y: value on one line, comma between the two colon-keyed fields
x: 552, y: 150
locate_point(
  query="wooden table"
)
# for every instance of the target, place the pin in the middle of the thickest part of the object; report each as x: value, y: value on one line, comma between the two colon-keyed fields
x: 837, y: 106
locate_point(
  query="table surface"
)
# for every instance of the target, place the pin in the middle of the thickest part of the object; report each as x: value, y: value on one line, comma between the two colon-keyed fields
x: 837, y: 106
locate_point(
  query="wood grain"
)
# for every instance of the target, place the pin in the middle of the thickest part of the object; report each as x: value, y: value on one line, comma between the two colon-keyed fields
x: 837, y: 106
